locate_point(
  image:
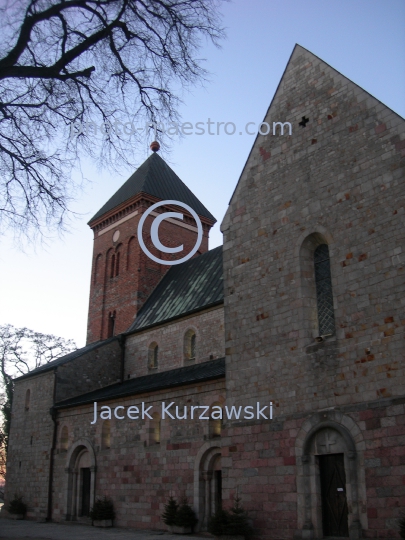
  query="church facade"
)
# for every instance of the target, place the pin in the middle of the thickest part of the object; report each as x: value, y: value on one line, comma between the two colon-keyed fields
x: 302, y: 307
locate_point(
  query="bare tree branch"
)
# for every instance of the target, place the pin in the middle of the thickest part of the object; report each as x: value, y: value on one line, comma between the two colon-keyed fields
x: 21, y: 351
x: 70, y: 63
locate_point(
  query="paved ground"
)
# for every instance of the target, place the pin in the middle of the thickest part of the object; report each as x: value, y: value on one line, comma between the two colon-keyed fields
x: 27, y: 530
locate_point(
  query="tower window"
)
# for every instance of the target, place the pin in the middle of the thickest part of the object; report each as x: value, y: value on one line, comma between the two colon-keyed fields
x: 112, y: 266
x: 153, y: 353
x: 324, y: 296
x: 111, y: 324
x: 117, y: 264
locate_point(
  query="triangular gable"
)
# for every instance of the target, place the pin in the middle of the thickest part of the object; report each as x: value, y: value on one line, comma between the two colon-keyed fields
x: 258, y: 153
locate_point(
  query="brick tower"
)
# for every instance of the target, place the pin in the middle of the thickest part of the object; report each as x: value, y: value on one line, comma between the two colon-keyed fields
x: 122, y: 275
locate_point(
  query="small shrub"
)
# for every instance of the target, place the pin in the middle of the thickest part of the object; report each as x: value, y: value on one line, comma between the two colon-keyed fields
x: 185, y: 516
x: 218, y: 523
x: 170, y: 513
x: 102, y: 509
x: 17, y: 506
x: 239, y: 521
x: 233, y: 523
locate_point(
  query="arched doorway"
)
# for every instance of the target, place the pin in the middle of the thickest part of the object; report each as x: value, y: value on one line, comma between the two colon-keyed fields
x: 330, y: 481
x: 81, y: 470
x: 207, y: 483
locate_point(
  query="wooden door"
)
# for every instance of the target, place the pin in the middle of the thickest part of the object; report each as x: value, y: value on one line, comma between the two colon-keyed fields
x: 333, y: 491
x: 86, y: 475
x: 218, y: 490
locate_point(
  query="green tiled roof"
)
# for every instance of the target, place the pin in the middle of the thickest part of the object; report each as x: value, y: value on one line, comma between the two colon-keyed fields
x: 156, y: 178
x: 197, y: 373
x: 185, y: 288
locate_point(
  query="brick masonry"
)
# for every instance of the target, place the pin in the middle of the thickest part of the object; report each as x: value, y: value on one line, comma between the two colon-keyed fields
x: 126, y: 291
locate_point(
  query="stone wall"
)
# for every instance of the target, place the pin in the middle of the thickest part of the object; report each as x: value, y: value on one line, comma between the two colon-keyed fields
x: 209, y: 329
x: 30, y: 444
x: 136, y: 473
x: 338, y: 179
x: 265, y: 463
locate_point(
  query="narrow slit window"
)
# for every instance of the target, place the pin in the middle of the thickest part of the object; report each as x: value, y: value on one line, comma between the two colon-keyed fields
x: 117, y: 265
x: 324, y: 295
x: 111, y: 324
x: 153, y: 356
x: 27, y: 399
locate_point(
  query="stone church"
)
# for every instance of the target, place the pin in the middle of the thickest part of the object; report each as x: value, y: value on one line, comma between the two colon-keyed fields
x: 303, y: 306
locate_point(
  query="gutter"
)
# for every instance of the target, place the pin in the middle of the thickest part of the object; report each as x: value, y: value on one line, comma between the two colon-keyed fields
x: 121, y: 341
x: 135, y: 392
x: 54, y: 413
x: 174, y: 318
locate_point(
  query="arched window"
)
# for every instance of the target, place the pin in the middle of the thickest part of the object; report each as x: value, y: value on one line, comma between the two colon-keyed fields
x: 324, y: 296
x: 153, y: 353
x: 117, y: 264
x: 106, y: 435
x: 215, y: 421
x: 189, y: 345
x: 154, y: 430
x: 27, y: 399
x: 112, y: 266
x: 64, y: 439
x: 111, y: 324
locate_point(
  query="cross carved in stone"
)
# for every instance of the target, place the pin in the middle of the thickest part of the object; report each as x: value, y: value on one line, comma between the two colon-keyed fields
x: 328, y: 442
x: 303, y: 122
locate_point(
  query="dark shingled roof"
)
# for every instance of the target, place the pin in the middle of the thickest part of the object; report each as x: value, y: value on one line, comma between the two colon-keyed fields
x: 156, y: 178
x: 185, y: 288
x: 67, y: 358
x: 197, y: 373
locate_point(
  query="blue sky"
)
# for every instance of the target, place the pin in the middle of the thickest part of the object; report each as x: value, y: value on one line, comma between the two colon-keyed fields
x: 47, y: 288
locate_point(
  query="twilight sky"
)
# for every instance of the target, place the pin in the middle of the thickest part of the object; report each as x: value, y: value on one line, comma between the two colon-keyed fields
x: 46, y: 288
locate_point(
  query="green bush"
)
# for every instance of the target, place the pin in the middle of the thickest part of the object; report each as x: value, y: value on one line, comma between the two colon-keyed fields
x: 235, y: 522
x: 102, y: 509
x: 170, y: 513
x: 239, y: 521
x: 17, y: 506
x: 185, y: 516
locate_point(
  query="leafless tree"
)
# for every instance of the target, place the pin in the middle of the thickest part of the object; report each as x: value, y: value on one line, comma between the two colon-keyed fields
x: 21, y: 351
x: 74, y: 63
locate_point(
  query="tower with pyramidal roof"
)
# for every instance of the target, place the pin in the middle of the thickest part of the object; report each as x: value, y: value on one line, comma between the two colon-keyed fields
x: 123, y: 276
